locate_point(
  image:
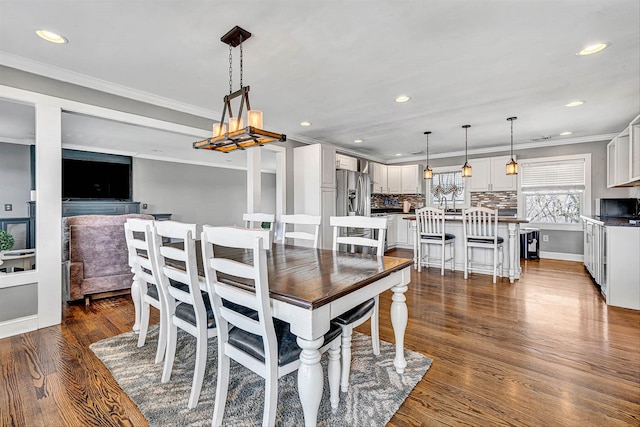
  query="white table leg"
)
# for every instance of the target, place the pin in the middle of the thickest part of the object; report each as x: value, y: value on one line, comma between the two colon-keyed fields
x: 310, y: 380
x: 136, y: 296
x: 399, y: 318
x: 512, y: 252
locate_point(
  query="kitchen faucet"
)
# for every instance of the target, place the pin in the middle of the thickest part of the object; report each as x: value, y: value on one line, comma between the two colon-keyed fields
x: 444, y: 199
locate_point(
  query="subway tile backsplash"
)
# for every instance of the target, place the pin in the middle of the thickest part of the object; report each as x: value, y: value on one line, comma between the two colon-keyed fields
x: 489, y: 199
x: 495, y: 199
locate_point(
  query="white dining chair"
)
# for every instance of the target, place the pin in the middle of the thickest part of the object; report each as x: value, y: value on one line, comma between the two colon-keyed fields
x: 368, y: 309
x: 254, y: 338
x: 306, y: 222
x: 142, y: 252
x: 255, y: 220
x: 186, y: 307
x: 431, y: 232
x: 480, y: 227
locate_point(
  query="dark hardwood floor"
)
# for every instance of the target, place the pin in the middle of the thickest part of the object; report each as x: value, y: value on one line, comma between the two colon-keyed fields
x: 545, y: 351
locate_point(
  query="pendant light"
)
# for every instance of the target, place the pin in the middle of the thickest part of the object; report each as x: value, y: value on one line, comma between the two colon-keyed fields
x: 512, y: 166
x: 428, y: 173
x: 233, y: 135
x: 466, y: 168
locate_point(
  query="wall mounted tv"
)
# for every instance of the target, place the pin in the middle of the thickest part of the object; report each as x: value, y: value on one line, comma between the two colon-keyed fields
x: 87, y: 175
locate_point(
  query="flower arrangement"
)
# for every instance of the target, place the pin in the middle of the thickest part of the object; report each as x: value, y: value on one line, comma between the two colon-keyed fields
x: 6, y: 241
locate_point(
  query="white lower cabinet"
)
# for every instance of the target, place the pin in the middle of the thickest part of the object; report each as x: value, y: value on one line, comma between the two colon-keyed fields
x: 594, y: 249
x: 622, y: 287
x: 404, y: 232
x: 392, y: 232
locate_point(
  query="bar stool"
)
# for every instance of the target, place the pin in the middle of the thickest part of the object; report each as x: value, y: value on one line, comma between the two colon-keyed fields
x: 480, y: 226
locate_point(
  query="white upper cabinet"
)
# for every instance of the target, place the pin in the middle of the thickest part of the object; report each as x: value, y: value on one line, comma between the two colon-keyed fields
x: 489, y: 174
x: 623, y: 157
x: 394, y: 179
x: 405, y: 179
x: 411, y: 179
x: 379, y: 178
x: 346, y: 162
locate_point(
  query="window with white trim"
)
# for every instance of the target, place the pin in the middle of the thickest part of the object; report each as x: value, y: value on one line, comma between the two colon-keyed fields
x: 555, y: 191
x: 447, y: 184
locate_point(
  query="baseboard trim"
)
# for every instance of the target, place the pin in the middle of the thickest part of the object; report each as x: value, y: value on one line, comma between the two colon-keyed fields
x: 562, y: 256
x: 18, y: 326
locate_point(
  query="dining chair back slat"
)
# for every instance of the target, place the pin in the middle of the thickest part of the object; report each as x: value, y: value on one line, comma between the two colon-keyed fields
x: 301, y: 221
x: 340, y: 225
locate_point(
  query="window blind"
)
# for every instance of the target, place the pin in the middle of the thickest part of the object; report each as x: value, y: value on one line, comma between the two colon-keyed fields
x: 561, y: 174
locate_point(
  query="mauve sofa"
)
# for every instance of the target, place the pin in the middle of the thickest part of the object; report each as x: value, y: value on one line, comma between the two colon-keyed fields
x: 98, y: 260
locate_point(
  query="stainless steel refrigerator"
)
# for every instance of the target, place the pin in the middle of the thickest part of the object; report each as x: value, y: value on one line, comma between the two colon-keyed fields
x: 353, y: 197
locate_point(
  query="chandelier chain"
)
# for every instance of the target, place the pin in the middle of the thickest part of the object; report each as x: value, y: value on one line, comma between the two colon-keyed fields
x: 241, y: 67
x: 511, y: 139
x: 230, y: 70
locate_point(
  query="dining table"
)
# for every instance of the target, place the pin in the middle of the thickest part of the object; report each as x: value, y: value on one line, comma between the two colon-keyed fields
x: 309, y: 287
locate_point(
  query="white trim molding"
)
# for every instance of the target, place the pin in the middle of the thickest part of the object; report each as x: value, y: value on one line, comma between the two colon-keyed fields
x: 18, y: 326
x: 562, y: 256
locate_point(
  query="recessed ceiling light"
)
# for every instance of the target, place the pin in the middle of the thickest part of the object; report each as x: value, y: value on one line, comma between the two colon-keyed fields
x: 565, y: 133
x: 398, y: 154
x: 51, y: 37
x: 305, y: 123
x: 402, y: 98
x: 594, y: 48
x: 357, y: 141
x: 574, y: 104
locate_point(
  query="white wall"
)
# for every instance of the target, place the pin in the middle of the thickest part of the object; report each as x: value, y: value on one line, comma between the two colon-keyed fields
x: 197, y: 194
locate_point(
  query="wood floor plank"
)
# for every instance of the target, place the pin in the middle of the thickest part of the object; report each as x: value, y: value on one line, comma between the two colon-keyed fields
x: 543, y: 351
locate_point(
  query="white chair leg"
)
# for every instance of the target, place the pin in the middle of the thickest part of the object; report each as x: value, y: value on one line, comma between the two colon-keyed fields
x: 453, y: 256
x: 270, y: 398
x: 419, y: 256
x: 333, y: 372
x: 144, y: 322
x: 375, y: 326
x: 162, y: 338
x: 221, y: 388
x: 198, y: 371
x: 443, y: 258
x: 495, y: 263
x: 346, y: 357
x: 172, y: 338
x: 466, y: 262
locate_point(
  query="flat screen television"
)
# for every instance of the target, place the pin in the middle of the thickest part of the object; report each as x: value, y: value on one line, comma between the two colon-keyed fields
x: 90, y: 179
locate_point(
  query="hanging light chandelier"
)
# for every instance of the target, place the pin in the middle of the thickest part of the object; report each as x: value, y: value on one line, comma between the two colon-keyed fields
x: 466, y: 168
x: 512, y: 166
x: 428, y: 173
x: 231, y: 135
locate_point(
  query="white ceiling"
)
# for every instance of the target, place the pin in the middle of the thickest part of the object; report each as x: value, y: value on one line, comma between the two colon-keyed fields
x: 340, y: 65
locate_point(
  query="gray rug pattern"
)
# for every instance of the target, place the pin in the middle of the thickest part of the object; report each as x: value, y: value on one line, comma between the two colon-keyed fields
x: 375, y: 394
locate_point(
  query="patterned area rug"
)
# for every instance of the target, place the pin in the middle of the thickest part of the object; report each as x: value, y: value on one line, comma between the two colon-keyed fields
x: 375, y: 394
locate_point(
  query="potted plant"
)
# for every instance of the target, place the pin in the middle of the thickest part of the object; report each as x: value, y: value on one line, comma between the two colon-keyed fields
x: 6, y: 241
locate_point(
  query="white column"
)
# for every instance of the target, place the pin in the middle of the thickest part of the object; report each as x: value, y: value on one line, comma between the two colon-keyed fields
x: 49, y: 213
x: 254, y: 180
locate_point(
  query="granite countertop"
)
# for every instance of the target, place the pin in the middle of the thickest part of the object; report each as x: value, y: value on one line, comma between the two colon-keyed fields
x: 613, y: 222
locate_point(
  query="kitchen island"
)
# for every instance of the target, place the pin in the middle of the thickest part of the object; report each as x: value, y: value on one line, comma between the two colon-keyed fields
x: 508, y: 229
x: 611, y: 254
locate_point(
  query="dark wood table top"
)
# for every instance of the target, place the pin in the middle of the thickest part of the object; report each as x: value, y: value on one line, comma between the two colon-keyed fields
x: 311, y: 278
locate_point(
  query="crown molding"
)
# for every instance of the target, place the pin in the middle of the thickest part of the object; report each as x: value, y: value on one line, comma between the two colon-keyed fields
x: 61, y: 74
x: 502, y: 148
